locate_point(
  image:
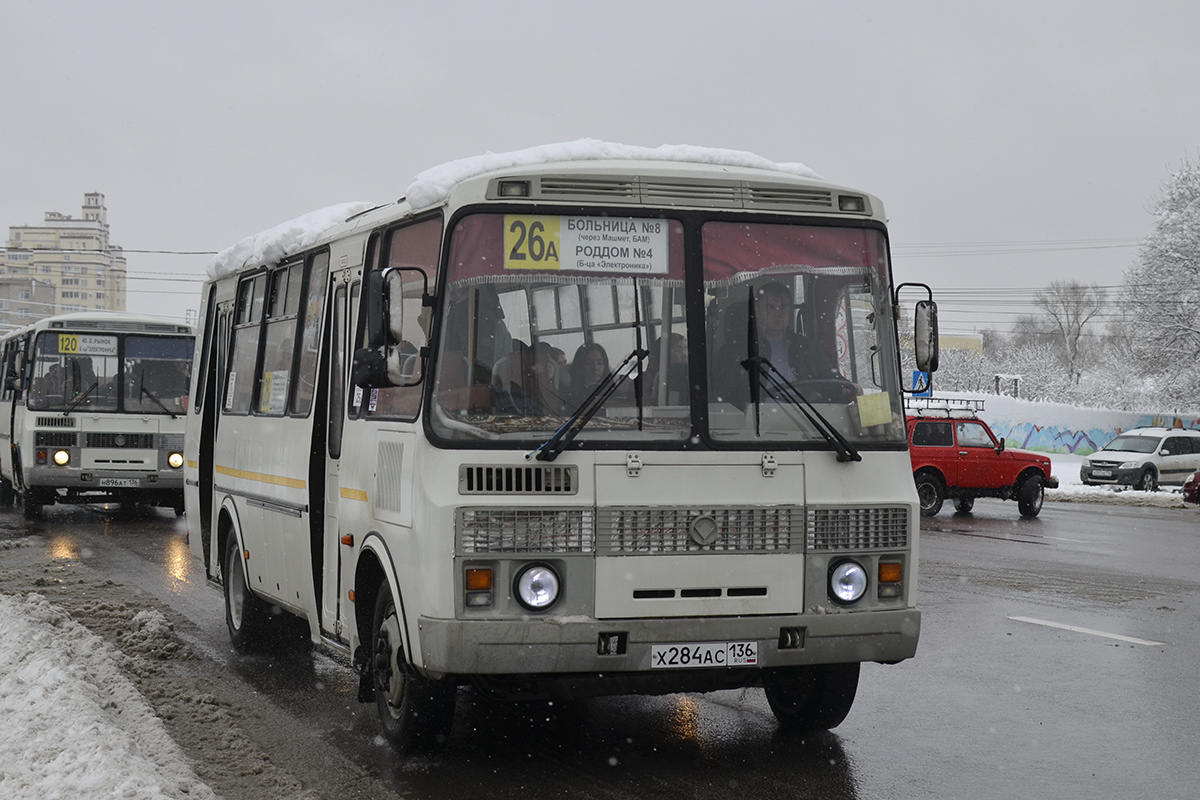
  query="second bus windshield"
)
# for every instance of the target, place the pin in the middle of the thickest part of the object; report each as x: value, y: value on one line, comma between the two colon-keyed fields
x: 110, y: 372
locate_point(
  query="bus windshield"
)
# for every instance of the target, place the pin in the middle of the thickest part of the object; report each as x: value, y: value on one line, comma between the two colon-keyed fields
x: 110, y: 372
x: 540, y: 311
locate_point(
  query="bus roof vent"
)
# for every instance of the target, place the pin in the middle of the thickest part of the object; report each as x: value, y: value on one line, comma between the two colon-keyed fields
x: 710, y: 194
x: 519, y: 480
x: 788, y: 197
x: 612, y: 190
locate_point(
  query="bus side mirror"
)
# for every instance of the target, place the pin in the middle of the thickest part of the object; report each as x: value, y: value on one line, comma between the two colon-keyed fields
x: 385, y: 311
x: 369, y: 369
x: 925, y: 337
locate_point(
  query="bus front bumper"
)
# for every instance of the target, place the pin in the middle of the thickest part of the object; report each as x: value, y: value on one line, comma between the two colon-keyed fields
x: 103, y: 481
x: 585, y: 645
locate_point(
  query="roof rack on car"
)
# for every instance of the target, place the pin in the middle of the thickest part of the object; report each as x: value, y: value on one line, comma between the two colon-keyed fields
x: 942, y: 406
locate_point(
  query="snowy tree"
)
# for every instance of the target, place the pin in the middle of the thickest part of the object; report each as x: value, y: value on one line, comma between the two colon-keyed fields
x: 1162, y: 293
x: 1070, y: 307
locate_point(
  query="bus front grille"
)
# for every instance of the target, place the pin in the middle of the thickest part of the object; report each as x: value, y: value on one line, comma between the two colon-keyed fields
x: 55, y: 422
x: 500, y: 479
x: 137, y: 441
x: 699, y: 530
x: 54, y: 439
x: 515, y: 530
x: 857, y: 528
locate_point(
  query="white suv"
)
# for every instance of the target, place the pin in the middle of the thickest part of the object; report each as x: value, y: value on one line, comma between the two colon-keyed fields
x: 1144, y: 458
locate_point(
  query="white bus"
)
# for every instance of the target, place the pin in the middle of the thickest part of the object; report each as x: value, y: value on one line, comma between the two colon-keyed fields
x: 92, y: 411
x: 566, y: 427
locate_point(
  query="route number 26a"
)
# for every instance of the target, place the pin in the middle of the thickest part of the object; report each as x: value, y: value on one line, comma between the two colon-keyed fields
x: 532, y: 239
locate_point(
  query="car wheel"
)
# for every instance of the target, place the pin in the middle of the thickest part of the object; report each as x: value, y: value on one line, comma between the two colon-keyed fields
x: 930, y: 493
x: 1148, y: 482
x: 813, y: 698
x: 416, y: 712
x: 1030, y: 496
x: 963, y: 505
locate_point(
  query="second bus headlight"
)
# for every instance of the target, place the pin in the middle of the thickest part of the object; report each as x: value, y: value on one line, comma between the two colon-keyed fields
x: 62, y: 457
x: 847, y: 582
x: 175, y: 460
x: 537, y: 587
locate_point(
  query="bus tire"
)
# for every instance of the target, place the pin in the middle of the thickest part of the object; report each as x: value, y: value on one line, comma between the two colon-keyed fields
x: 244, y: 614
x: 31, y: 504
x: 813, y: 698
x: 8, y: 496
x: 1030, y: 496
x: 963, y: 505
x: 416, y: 713
x: 930, y: 493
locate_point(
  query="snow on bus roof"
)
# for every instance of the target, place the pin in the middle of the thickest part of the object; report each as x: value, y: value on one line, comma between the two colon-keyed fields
x: 433, y: 186
x: 270, y: 246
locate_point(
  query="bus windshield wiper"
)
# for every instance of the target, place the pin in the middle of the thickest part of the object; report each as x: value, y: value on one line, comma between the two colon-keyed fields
x: 157, y: 402
x: 780, y: 388
x: 75, y: 403
x: 549, y: 449
x: 760, y: 371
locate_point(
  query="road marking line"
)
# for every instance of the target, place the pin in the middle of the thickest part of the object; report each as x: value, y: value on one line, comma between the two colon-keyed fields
x: 1061, y: 626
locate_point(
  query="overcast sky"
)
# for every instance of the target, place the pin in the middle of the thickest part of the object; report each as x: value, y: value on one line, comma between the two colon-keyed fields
x: 1011, y: 146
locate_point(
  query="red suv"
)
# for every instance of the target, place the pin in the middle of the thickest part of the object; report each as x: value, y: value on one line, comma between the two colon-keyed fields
x: 960, y: 458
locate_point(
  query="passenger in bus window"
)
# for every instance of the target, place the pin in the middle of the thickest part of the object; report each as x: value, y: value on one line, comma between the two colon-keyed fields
x: 587, y: 369
x: 549, y: 372
x: 797, y: 359
x: 676, y: 373
x: 515, y: 386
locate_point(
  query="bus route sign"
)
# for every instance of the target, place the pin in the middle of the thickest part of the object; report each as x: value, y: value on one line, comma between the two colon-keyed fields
x: 586, y: 244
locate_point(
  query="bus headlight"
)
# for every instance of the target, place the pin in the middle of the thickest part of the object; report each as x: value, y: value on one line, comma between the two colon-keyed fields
x: 537, y: 587
x: 62, y: 457
x: 847, y: 582
x: 175, y: 460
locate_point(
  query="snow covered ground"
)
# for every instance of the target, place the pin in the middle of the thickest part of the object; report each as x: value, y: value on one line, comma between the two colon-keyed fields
x: 1070, y: 490
x: 76, y: 726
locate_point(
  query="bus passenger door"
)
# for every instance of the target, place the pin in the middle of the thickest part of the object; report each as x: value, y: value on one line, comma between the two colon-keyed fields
x: 212, y: 344
x: 336, y: 380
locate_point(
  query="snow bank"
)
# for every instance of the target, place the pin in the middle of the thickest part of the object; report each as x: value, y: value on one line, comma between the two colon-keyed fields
x: 433, y: 185
x: 74, y: 725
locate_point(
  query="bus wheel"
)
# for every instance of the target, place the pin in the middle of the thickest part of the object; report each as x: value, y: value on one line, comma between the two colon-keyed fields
x: 8, y: 497
x: 243, y: 611
x: 812, y: 698
x: 416, y: 712
x: 31, y: 504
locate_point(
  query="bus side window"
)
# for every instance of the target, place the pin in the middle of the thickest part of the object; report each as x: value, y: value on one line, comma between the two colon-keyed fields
x: 239, y: 384
x: 275, y: 376
x: 309, y: 342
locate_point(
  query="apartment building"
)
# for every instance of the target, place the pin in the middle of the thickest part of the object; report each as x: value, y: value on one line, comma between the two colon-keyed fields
x: 65, y: 264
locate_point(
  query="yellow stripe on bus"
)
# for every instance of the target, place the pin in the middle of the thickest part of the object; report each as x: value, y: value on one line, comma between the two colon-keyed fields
x: 354, y: 494
x: 277, y: 480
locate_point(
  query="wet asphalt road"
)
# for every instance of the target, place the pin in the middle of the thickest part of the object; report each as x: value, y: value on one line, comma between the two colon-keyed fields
x: 1059, y: 657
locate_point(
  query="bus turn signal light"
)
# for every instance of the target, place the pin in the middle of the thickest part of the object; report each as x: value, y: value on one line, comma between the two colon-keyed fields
x: 478, y: 583
x: 479, y: 579
x: 891, y: 577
